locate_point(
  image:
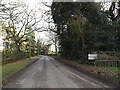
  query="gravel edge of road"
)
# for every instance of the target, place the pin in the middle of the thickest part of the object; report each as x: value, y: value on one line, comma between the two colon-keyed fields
x: 4, y: 83
x: 106, y: 80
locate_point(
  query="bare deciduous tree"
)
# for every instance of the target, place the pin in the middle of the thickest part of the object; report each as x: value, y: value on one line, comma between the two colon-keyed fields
x: 19, y: 21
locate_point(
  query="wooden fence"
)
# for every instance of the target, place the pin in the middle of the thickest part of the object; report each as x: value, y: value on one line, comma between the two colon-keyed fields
x: 107, y: 63
x: 13, y: 57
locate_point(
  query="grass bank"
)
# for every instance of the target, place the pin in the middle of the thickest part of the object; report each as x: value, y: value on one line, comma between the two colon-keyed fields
x: 12, y: 68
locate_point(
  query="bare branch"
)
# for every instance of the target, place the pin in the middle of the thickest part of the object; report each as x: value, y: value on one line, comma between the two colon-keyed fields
x: 45, y: 3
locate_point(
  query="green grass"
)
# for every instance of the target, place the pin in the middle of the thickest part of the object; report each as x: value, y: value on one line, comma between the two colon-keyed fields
x: 51, y: 53
x: 114, y: 69
x: 37, y: 56
x: 9, y: 70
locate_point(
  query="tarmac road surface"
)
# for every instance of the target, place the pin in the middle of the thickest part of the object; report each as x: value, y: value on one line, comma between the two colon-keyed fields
x: 50, y: 73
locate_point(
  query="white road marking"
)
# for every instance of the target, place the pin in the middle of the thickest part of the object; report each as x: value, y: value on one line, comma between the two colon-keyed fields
x: 84, y: 79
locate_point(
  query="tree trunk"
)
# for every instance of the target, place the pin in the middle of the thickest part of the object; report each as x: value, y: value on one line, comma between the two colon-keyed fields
x: 55, y: 45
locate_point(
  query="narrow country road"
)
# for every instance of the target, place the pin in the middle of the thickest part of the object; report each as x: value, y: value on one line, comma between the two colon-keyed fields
x: 50, y: 73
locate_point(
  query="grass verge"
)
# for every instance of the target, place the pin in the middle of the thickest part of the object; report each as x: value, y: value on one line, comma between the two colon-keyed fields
x: 8, y: 70
x: 105, y: 71
x: 37, y: 56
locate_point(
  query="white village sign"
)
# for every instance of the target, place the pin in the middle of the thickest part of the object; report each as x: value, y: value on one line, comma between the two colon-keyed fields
x: 92, y: 56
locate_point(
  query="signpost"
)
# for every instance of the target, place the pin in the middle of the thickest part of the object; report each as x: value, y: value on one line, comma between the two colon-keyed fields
x: 92, y: 56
